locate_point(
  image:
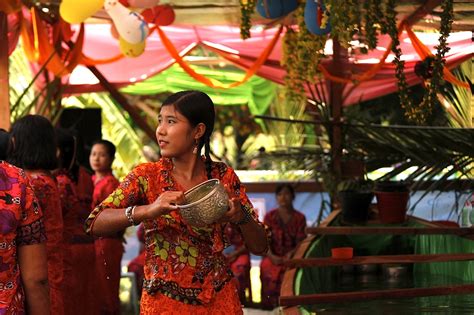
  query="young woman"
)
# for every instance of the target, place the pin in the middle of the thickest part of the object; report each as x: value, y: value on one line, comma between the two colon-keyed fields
x: 108, y: 250
x: 79, y: 278
x: 185, y: 269
x: 24, y: 271
x: 33, y: 148
x: 288, y: 230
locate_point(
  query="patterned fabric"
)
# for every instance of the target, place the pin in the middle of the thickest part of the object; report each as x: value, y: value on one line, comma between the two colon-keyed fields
x: 182, y: 262
x: 241, y: 265
x: 108, y: 252
x: 20, y: 224
x: 225, y: 302
x: 46, y: 190
x: 285, y: 238
x: 103, y: 187
x: 78, y: 283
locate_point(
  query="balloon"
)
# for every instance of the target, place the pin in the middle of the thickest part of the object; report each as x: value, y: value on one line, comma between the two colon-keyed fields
x: 74, y: 11
x: 131, y: 50
x: 316, y: 17
x: 273, y: 9
x: 130, y: 25
x: 125, y: 3
x: 160, y: 15
x: 143, y: 3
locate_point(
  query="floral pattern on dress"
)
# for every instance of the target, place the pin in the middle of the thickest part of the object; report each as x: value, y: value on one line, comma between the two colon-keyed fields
x: 182, y: 262
x: 21, y: 223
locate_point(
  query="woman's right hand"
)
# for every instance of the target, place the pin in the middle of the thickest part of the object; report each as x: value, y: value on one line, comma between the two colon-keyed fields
x: 165, y: 203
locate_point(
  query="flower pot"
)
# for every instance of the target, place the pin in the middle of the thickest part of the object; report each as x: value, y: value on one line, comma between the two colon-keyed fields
x: 392, y: 206
x: 342, y: 252
x: 355, y: 205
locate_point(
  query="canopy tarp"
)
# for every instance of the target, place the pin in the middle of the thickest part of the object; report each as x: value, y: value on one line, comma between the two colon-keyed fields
x: 226, y: 41
x: 99, y: 44
x: 256, y: 92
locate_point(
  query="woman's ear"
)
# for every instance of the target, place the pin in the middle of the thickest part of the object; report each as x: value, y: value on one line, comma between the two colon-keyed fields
x: 199, y: 131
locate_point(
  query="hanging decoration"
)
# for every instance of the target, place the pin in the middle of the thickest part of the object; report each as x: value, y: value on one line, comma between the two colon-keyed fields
x: 247, y: 8
x: 274, y: 9
x: 302, y: 53
x: 130, y: 25
x: 142, y: 4
x: 436, y: 84
x: 10, y: 6
x: 316, y: 17
x: 162, y: 15
x: 74, y: 12
x: 131, y: 50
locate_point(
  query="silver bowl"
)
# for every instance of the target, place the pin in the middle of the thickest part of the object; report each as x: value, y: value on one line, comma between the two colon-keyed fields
x: 205, y: 203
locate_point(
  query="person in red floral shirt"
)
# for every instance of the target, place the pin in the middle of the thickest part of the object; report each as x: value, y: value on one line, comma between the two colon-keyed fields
x: 80, y: 281
x: 108, y: 250
x: 287, y: 226
x: 23, y: 264
x: 185, y: 269
x: 34, y: 149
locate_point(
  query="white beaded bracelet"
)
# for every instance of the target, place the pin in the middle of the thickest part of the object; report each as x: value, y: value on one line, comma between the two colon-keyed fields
x: 130, y: 213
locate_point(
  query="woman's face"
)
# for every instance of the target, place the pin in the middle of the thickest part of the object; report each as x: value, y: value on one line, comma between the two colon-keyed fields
x: 100, y: 159
x: 284, y: 198
x: 174, y: 133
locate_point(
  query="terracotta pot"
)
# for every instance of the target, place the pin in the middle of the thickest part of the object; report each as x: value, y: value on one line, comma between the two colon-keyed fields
x: 342, y: 252
x: 392, y: 206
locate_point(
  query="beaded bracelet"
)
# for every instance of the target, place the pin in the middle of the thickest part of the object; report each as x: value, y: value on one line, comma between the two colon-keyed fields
x: 129, y: 213
x: 247, y: 216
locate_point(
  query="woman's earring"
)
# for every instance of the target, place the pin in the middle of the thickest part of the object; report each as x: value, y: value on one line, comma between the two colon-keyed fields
x: 195, y: 150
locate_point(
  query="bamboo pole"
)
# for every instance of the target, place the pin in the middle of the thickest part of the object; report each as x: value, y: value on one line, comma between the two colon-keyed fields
x: 307, y: 299
x: 4, y: 83
x: 383, y: 259
x: 140, y: 121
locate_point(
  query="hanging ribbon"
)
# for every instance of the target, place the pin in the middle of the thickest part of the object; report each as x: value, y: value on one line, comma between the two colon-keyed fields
x: 38, y: 47
x: 424, y: 52
x: 211, y: 82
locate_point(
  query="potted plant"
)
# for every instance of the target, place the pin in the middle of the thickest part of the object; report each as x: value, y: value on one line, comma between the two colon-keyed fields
x: 392, y: 200
x: 355, y: 196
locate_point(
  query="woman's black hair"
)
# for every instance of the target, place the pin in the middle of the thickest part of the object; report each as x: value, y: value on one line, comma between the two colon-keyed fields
x: 198, y: 108
x: 290, y: 188
x: 33, y: 144
x: 67, y: 146
x: 4, y: 140
x: 109, y: 147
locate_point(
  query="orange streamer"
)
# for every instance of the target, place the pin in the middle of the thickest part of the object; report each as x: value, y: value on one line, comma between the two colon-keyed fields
x: 214, y: 83
x: 424, y: 52
x: 367, y: 75
x: 38, y: 47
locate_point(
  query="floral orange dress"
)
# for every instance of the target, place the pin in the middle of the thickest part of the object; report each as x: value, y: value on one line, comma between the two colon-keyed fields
x: 20, y: 224
x: 46, y: 190
x: 185, y: 269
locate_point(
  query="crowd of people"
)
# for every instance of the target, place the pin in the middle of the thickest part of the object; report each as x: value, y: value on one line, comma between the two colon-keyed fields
x: 63, y: 226
x: 50, y: 196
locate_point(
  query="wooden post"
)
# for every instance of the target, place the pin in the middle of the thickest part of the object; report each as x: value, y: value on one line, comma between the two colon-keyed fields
x: 4, y: 84
x: 338, y: 68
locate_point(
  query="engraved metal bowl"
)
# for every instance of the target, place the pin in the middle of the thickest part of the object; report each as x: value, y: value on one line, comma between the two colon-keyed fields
x: 205, y: 203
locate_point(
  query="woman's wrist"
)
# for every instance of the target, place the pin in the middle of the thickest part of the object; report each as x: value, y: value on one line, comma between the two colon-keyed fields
x: 246, y: 217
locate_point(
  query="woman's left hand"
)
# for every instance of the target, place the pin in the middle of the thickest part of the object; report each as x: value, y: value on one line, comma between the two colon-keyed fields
x: 234, y: 214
